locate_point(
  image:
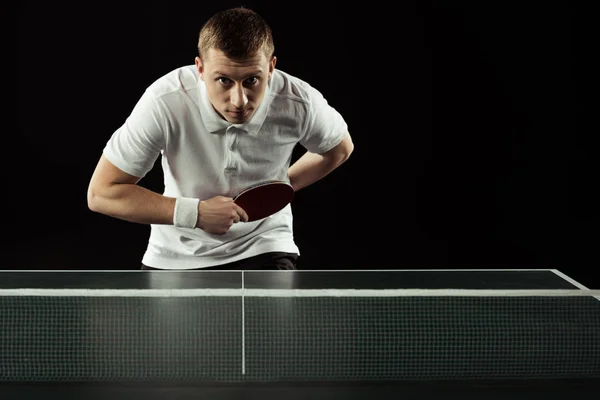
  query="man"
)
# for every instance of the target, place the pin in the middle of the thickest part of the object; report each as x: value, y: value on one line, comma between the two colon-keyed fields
x: 221, y: 125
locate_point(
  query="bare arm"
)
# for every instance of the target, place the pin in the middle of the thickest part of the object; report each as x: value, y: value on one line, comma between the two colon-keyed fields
x: 116, y: 193
x: 311, y: 167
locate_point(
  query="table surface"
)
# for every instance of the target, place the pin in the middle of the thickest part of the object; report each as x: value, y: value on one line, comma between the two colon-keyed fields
x: 321, y: 279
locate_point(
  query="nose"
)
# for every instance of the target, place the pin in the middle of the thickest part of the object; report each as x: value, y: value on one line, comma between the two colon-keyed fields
x: 238, y: 97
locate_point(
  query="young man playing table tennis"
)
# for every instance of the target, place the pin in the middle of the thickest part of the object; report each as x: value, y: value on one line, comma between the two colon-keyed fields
x: 222, y: 125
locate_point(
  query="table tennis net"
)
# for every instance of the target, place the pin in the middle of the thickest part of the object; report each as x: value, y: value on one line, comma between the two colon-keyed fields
x: 229, y: 335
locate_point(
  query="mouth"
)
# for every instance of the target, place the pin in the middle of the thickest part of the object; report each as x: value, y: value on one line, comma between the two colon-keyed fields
x: 238, y: 113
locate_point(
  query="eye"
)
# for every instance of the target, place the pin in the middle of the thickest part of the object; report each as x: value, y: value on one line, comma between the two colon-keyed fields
x: 227, y: 82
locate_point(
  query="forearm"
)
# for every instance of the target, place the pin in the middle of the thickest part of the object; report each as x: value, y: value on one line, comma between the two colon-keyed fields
x: 132, y: 203
x: 312, y: 167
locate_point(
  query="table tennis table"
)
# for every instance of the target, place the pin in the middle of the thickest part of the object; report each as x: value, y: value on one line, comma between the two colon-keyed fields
x: 317, y: 334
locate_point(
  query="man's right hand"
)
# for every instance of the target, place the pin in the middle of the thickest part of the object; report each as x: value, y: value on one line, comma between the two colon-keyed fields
x: 218, y: 214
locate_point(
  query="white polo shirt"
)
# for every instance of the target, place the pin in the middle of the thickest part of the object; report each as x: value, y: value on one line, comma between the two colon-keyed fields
x: 204, y: 156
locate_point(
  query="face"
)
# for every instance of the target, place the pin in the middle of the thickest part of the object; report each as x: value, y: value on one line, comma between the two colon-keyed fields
x: 235, y: 87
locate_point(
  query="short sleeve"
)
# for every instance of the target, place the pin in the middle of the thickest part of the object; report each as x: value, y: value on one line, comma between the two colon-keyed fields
x: 136, y: 145
x: 325, y: 127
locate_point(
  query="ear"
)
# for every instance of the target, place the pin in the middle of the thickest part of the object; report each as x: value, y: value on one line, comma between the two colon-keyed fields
x: 199, y: 67
x: 272, y: 65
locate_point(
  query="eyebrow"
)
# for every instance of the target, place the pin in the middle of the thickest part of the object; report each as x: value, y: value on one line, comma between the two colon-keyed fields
x: 257, y: 72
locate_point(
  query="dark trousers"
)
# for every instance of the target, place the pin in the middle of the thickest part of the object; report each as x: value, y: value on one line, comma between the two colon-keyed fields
x: 265, y: 261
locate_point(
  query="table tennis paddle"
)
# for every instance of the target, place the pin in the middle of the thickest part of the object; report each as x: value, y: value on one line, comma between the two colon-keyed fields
x: 264, y: 199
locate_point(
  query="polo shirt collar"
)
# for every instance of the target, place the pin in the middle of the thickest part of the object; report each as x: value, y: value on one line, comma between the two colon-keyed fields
x: 214, y: 123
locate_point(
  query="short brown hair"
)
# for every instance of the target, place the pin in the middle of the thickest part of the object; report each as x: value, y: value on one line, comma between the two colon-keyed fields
x: 238, y: 32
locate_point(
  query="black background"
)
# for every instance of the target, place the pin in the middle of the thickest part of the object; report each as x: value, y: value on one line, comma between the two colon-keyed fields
x: 469, y: 148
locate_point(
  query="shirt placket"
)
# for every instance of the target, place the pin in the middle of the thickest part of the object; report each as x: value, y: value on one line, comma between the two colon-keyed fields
x: 231, y: 161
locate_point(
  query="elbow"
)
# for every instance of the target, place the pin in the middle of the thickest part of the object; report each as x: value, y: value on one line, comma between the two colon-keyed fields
x: 92, y: 200
x: 346, y: 150
x: 342, y: 158
x: 339, y: 157
x: 349, y: 150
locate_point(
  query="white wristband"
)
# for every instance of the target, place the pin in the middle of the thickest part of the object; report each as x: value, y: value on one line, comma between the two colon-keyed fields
x: 185, y: 214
